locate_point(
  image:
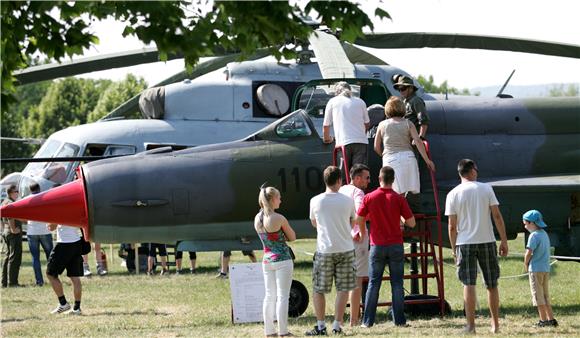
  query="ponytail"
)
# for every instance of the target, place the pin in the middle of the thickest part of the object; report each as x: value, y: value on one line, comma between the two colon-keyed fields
x: 265, y: 198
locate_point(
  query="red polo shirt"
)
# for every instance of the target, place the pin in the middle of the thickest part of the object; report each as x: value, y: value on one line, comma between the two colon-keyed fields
x: 384, y: 208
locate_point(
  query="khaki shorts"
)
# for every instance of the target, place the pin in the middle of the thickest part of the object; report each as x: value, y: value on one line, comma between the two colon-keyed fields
x: 539, y: 284
x: 361, y: 257
x: 338, y: 266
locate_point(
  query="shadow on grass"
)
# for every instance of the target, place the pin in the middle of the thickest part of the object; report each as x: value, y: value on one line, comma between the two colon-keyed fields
x: 126, y: 313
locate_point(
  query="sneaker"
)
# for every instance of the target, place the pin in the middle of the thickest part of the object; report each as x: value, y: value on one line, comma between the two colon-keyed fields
x: 178, y: 272
x: 86, y: 270
x: 551, y: 322
x: 61, y: 308
x: 337, y: 332
x: 101, y: 270
x: 222, y: 275
x: 317, y: 332
x: 541, y: 323
x: 150, y: 273
x: 193, y: 271
x: 164, y: 272
x: 74, y: 312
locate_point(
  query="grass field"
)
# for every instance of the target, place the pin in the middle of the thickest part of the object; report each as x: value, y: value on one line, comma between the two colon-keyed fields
x: 122, y: 305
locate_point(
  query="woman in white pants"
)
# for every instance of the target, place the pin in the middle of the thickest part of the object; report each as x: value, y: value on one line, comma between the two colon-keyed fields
x: 274, y: 230
x: 393, y: 144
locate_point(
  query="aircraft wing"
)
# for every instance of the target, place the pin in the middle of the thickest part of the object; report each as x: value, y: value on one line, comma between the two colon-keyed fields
x: 538, y: 183
x: 551, y: 183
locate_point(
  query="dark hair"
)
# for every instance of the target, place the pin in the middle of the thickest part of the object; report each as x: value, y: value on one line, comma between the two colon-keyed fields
x: 357, y: 170
x: 34, y: 187
x: 387, y: 175
x: 12, y: 188
x: 332, y: 175
x: 465, y: 166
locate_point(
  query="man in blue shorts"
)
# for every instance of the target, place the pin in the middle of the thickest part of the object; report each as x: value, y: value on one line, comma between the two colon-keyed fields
x: 469, y: 206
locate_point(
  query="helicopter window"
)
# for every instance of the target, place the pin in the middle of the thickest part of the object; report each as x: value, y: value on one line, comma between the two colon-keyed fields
x: 314, y: 99
x: 47, y: 150
x: 119, y: 150
x: 293, y: 127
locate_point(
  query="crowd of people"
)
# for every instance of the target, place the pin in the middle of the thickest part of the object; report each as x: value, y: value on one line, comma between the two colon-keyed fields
x: 347, y: 251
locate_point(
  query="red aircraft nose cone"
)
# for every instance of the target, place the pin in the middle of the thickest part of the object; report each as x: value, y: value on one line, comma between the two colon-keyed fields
x: 66, y: 205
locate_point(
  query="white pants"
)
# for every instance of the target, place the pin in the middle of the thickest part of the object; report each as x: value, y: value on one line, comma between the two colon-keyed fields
x: 406, y: 171
x: 277, y: 280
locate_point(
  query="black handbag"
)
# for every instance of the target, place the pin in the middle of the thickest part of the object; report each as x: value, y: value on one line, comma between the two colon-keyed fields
x: 85, y: 246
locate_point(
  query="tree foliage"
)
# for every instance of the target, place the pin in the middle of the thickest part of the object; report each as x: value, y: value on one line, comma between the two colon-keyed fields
x: 58, y: 29
x: 116, y: 94
x: 67, y: 103
x: 561, y: 90
x: 430, y: 87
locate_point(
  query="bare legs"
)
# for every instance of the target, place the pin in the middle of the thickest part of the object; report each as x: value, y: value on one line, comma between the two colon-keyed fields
x: 470, y: 298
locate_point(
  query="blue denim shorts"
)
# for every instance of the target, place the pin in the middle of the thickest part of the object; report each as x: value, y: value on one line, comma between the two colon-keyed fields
x: 468, y: 257
x: 339, y: 266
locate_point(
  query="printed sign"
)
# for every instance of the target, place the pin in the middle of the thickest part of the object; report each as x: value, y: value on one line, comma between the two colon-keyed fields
x: 247, y: 290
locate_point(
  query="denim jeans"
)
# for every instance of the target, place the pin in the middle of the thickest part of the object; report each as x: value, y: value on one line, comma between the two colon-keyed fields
x: 34, y: 243
x: 379, y: 256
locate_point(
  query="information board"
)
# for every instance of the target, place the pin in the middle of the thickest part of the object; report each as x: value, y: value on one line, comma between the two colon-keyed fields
x: 247, y: 290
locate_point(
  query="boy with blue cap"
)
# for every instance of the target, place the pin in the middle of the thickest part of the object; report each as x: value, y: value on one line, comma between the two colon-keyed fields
x: 537, y: 262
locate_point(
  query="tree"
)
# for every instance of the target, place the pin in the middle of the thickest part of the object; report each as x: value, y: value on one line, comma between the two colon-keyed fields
x: 59, y: 29
x: 558, y: 90
x: 430, y: 87
x: 67, y: 103
x: 28, y: 97
x: 116, y: 94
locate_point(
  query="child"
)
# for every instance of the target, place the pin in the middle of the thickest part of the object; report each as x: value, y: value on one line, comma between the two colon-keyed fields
x: 537, y: 262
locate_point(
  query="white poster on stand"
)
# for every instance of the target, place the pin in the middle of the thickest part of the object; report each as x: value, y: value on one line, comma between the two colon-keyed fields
x: 247, y: 289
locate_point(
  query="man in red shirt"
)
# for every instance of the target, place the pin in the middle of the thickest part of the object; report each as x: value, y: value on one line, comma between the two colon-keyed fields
x: 384, y: 208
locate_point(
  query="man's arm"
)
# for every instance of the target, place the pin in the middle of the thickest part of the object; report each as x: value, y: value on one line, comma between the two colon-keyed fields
x: 500, y: 226
x: 360, y: 220
x: 452, y: 232
x: 326, y: 138
x: 423, y: 130
x: 51, y: 226
x: 13, y: 228
x: 313, y: 222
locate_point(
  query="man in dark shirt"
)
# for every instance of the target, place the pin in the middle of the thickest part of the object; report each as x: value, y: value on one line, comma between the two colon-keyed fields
x: 415, y: 106
x: 11, y: 244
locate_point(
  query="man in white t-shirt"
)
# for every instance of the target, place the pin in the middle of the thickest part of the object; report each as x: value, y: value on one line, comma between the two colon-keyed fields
x: 470, y: 206
x: 349, y: 117
x: 332, y: 214
x: 359, y: 180
x: 38, y: 235
x: 66, y: 255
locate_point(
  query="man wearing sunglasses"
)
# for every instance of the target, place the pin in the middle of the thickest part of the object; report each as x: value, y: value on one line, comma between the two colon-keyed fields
x: 416, y: 111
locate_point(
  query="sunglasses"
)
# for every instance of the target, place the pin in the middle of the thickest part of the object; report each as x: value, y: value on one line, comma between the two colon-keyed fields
x: 402, y: 89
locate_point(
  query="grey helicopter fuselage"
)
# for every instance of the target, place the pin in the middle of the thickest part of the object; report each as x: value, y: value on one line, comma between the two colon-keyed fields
x: 217, y: 107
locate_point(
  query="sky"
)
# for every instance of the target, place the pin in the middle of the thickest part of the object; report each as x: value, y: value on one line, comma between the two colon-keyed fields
x: 554, y: 21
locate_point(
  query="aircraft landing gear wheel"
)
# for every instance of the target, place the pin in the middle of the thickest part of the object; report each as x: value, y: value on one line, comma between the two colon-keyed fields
x: 298, y: 302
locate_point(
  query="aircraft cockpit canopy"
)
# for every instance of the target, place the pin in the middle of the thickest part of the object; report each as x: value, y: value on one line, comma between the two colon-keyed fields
x: 48, y: 174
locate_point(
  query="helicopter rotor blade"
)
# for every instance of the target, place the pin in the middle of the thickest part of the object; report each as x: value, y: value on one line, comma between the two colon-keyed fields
x: 357, y: 55
x: 467, y: 41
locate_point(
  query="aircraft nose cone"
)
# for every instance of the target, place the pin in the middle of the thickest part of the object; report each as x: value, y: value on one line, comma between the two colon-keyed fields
x: 66, y: 205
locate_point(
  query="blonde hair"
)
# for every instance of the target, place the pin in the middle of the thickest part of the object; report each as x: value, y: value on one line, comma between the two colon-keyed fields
x: 265, y: 199
x: 394, y: 107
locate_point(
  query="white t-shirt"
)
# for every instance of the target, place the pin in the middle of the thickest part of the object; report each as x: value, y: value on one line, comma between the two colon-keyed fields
x: 357, y: 196
x: 66, y: 234
x: 333, y: 213
x: 471, y: 202
x: 348, y: 115
x: 36, y: 228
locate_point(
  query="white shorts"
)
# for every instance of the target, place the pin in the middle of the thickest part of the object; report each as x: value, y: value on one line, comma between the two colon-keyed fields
x: 361, y: 256
x: 406, y: 171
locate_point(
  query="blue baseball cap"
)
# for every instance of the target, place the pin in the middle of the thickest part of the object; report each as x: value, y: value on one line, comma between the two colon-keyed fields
x: 536, y: 217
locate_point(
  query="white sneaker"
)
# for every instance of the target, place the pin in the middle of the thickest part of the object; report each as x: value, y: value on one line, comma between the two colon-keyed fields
x: 101, y: 271
x: 74, y: 312
x: 61, y: 309
x: 86, y: 270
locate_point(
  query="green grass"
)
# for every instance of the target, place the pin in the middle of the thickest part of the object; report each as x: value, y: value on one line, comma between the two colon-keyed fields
x: 199, y: 305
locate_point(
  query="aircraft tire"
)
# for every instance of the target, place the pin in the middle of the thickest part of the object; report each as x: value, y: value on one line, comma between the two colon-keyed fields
x: 298, y: 302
